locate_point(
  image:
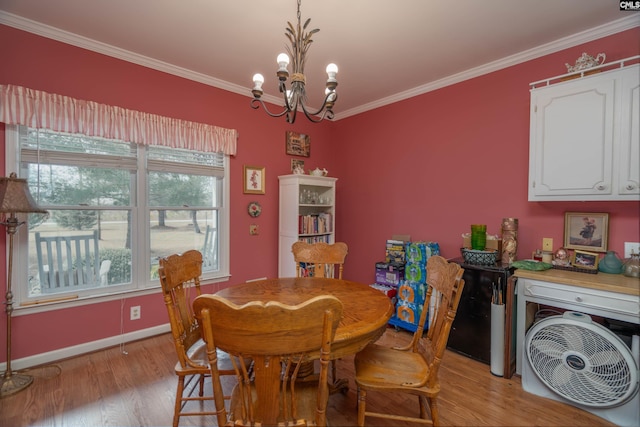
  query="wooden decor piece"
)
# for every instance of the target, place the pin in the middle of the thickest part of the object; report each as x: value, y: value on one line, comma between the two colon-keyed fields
x: 298, y: 144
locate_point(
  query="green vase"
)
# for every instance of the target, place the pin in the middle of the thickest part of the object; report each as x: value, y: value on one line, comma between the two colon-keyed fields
x: 610, y: 263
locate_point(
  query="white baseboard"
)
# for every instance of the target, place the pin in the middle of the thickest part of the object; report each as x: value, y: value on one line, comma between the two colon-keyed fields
x: 76, y: 350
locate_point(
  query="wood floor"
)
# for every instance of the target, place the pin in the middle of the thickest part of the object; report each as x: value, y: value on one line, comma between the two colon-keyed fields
x: 111, y: 388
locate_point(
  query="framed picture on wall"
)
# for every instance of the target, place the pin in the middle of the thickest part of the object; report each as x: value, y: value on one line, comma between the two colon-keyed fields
x: 297, y: 144
x: 253, y: 180
x: 586, y: 231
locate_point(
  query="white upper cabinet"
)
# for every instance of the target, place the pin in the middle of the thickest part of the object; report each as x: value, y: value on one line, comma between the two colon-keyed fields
x: 629, y: 153
x: 585, y: 139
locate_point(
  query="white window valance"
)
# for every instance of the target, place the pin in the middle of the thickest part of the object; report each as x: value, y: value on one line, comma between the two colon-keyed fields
x: 42, y: 110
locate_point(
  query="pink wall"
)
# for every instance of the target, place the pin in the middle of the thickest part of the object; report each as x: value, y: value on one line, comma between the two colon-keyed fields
x: 47, y: 65
x: 432, y: 165
x: 428, y: 166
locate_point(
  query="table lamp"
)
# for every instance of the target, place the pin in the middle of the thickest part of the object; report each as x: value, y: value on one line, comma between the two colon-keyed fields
x: 15, y: 198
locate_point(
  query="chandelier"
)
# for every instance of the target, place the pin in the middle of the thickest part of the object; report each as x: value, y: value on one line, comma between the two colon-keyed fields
x: 295, y: 97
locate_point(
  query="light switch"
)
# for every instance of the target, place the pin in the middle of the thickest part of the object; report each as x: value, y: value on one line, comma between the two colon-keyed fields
x: 253, y: 229
x: 547, y: 244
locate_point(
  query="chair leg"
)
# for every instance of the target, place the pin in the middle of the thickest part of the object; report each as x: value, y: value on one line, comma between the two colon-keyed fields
x: 201, y: 381
x: 337, y: 384
x: 433, y: 407
x: 178, y: 407
x: 362, y: 396
x: 334, y: 372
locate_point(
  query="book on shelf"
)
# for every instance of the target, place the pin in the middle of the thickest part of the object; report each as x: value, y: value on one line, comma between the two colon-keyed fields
x: 325, y: 238
x: 314, y: 224
x: 307, y: 270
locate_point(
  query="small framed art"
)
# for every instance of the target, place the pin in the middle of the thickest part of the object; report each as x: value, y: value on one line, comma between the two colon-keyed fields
x: 253, y: 180
x: 298, y: 144
x: 297, y: 166
x: 586, y: 231
x: 586, y: 260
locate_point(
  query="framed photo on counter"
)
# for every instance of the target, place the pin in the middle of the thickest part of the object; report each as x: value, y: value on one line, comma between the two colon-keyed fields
x: 586, y: 260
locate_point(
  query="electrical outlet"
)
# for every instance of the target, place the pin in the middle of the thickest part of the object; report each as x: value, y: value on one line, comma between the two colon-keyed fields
x: 135, y: 312
x: 629, y: 247
x: 547, y: 244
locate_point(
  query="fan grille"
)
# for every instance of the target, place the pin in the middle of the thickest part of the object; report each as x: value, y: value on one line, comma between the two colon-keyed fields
x: 581, y: 364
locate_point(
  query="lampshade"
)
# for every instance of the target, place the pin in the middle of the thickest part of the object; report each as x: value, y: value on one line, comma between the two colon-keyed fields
x: 15, y: 196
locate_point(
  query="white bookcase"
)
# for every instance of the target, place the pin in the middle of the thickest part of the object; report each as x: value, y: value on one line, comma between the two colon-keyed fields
x: 307, y: 212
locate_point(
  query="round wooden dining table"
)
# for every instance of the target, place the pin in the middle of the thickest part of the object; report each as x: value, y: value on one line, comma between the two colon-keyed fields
x: 366, y: 311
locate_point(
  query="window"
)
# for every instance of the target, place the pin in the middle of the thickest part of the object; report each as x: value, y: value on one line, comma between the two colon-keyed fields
x: 115, y: 208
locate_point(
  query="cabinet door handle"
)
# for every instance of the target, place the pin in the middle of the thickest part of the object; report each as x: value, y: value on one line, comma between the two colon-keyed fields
x: 601, y: 187
x: 578, y: 299
x: 630, y: 187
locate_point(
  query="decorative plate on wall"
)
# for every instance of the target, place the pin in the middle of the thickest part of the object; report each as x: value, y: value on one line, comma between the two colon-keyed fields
x: 254, y: 209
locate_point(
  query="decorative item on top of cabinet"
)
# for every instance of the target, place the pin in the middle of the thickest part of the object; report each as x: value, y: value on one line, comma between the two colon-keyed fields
x: 297, y: 166
x: 585, y: 62
x: 585, y: 135
x: 307, y: 212
x: 318, y: 172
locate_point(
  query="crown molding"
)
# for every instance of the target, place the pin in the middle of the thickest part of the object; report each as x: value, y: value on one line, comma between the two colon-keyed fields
x: 99, y: 47
x: 537, y: 52
x: 57, y: 34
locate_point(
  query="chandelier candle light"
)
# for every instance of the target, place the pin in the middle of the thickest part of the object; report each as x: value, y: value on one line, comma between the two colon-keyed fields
x: 15, y: 198
x: 295, y: 97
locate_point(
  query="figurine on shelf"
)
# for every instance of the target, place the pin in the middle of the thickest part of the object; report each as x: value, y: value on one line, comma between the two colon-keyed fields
x: 561, y: 258
x: 631, y: 267
x: 610, y: 263
x: 318, y: 172
x: 585, y: 62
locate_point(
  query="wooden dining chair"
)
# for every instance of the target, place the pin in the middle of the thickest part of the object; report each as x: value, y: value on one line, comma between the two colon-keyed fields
x: 319, y: 259
x: 180, y: 280
x: 413, y: 369
x: 322, y: 260
x: 279, y: 338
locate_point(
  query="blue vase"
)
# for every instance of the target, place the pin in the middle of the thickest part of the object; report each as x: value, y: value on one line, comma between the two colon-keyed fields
x: 610, y: 263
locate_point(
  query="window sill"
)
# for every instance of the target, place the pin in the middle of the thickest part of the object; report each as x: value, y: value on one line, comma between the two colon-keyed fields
x: 62, y: 302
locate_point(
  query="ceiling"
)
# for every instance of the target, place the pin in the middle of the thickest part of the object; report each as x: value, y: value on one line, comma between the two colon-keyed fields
x: 385, y: 50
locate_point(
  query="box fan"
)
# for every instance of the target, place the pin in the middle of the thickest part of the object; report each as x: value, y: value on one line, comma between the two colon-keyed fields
x: 571, y: 359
